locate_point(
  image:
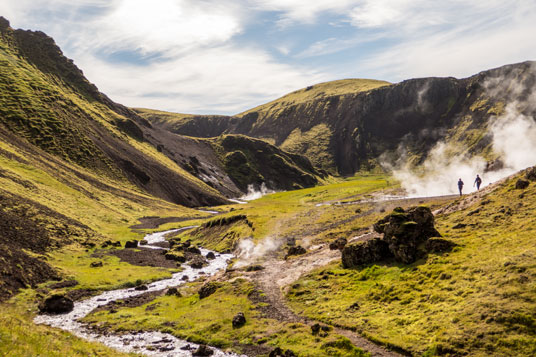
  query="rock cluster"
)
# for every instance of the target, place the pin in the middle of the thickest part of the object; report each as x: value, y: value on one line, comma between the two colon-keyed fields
x: 404, y: 236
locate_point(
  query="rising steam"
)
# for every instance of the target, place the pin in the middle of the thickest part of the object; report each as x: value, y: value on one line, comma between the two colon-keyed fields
x: 248, y: 252
x: 513, y: 140
x: 254, y: 194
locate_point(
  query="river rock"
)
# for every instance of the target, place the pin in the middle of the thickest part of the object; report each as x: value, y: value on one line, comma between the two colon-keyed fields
x: 57, y: 304
x: 210, y: 255
x: 522, y: 184
x: 239, y: 320
x: 176, y: 256
x: 173, y: 291
x: 193, y: 250
x: 203, y: 350
x: 131, y: 244
x: 143, y: 242
x: 366, y: 252
x: 338, y: 244
x: 197, y: 262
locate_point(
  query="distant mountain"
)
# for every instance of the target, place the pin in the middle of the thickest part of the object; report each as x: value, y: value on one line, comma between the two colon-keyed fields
x: 352, y: 125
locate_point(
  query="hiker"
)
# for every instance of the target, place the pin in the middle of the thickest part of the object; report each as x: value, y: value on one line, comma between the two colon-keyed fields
x: 460, y: 186
x: 478, y: 182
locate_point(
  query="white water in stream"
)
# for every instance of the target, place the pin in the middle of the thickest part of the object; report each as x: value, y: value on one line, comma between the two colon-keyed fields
x: 148, y: 343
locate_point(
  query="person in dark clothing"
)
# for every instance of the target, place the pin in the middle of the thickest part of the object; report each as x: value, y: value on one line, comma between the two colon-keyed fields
x: 478, y: 182
x: 460, y: 186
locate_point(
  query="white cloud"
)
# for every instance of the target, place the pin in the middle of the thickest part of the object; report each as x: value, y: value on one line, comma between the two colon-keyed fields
x: 239, y: 79
x: 477, y: 41
x: 304, y: 11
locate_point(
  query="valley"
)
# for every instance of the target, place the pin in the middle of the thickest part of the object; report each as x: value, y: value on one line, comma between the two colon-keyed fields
x: 286, y: 230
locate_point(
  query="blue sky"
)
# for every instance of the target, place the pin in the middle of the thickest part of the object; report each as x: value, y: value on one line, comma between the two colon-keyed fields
x: 223, y: 57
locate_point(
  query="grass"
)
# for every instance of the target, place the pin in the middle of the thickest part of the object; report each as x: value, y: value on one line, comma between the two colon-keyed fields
x: 280, y: 214
x: 318, y: 91
x: 478, y: 299
x: 19, y: 336
x: 209, y: 321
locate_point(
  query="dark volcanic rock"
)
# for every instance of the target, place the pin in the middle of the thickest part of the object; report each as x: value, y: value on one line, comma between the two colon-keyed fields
x: 56, y: 304
x: 131, y: 244
x: 96, y: 264
x: 210, y: 255
x: 141, y: 288
x: 176, y: 256
x: 338, y: 244
x: 173, y: 291
x: 203, y: 350
x: 366, y: 252
x: 239, y: 320
x: 404, y: 231
x: 297, y: 250
x: 208, y: 289
x: 198, y: 262
x: 522, y: 184
x: 278, y: 352
x: 531, y: 174
x: 439, y: 245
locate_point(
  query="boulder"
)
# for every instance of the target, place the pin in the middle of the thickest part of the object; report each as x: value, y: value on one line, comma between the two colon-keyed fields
x: 193, y: 250
x: 210, y: 255
x: 143, y: 242
x: 522, y: 184
x: 203, y: 350
x: 208, y: 289
x: 439, y: 245
x: 96, y: 264
x: 198, y: 262
x: 141, y: 288
x: 297, y: 250
x: 278, y: 352
x: 338, y: 244
x: 176, y: 256
x: 239, y: 320
x: 173, y: 291
x: 366, y: 252
x: 530, y: 174
x: 57, y: 304
x: 131, y: 244
x: 404, y: 231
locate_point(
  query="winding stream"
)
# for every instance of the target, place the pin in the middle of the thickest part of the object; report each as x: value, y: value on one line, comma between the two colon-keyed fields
x: 148, y: 343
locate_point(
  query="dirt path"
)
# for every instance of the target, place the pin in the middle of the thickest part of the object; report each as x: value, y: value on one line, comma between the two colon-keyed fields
x: 275, y: 279
x: 278, y: 275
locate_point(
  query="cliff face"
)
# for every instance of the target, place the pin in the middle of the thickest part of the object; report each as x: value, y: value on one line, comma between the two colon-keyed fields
x: 351, y: 131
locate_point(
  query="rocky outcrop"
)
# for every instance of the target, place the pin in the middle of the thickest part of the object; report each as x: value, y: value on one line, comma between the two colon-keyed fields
x: 404, y: 235
x: 404, y: 231
x: 367, y: 252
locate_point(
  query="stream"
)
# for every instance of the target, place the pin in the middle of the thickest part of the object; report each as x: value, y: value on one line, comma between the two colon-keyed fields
x: 148, y: 343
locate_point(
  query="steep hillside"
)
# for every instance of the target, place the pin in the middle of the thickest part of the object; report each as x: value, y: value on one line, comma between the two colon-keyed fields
x: 349, y: 131
x: 46, y: 101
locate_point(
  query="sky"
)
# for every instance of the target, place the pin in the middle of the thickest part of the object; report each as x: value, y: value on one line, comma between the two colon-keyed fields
x: 224, y: 57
